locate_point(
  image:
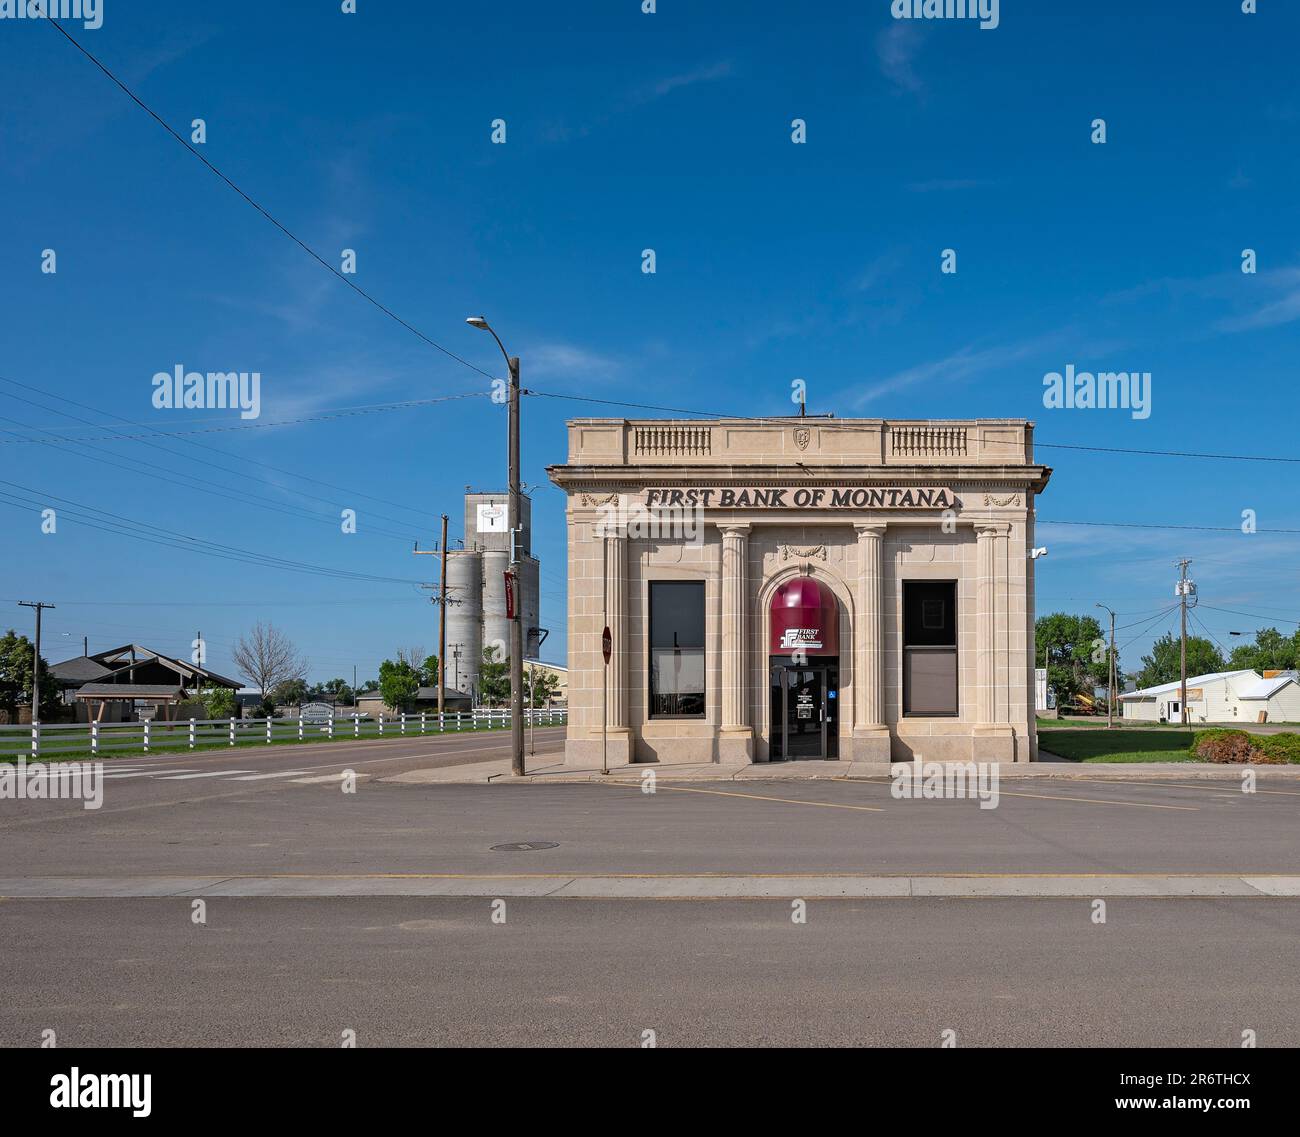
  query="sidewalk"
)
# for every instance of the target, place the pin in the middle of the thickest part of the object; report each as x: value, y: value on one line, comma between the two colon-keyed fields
x: 547, y: 771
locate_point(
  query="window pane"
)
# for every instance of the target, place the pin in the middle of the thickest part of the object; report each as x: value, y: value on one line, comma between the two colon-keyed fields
x: 929, y: 647
x: 677, y: 648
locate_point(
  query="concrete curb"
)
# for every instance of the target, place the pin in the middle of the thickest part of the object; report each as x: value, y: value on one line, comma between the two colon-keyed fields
x: 498, y: 773
x: 1056, y: 886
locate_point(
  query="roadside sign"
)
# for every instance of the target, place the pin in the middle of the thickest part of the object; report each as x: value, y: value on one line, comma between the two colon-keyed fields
x: 510, y: 595
x: 606, y: 644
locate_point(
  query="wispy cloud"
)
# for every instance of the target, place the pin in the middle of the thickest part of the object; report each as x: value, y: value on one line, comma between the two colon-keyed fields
x: 896, y: 50
x: 964, y: 363
x: 568, y: 361
x: 706, y: 73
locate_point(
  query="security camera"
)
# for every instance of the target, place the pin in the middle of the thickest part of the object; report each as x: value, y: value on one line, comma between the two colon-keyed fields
x: 1034, y: 554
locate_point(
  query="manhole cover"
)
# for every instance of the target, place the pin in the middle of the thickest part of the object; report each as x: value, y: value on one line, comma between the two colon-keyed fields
x: 525, y: 846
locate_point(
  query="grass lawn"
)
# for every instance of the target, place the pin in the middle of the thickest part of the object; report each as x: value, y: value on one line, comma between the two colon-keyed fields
x: 1088, y: 744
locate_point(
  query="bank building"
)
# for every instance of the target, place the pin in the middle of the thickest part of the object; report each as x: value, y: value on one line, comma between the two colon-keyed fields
x: 779, y: 589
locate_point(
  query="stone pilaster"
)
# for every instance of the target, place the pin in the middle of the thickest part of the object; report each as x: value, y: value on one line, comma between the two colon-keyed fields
x: 870, y: 734
x: 735, y: 743
x: 994, y: 740
x: 616, y: 611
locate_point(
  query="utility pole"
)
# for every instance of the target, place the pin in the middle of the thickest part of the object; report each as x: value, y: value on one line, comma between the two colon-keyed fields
x: 442, y: 623
x: 1110, y: 671
x: 1182, y: 651
x: 40, y: 606
x: 442, y: 616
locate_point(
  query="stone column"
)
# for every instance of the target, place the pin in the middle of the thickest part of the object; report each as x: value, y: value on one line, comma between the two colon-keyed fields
x: 735, y: 743
x: 994, y: 741
x: 870, y: 734
x: 616, y: 605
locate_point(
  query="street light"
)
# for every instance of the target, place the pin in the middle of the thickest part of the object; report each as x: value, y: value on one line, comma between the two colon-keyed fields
x: 1110, y: 670
x: 512, y: 515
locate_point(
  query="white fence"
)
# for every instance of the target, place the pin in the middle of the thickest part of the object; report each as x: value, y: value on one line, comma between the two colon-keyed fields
x: 55, y: 739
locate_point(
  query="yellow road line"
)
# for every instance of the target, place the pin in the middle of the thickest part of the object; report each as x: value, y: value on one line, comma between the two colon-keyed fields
x: 1102, y: 801
x: 1188, y: 786
x: 754, y: 797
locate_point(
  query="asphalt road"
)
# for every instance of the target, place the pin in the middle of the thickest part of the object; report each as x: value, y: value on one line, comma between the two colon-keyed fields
x: 706, y: 973
x: 223, y: 825
x: 422, y: 970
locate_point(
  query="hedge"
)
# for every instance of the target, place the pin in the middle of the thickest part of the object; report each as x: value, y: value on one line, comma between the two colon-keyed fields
x: 1225, y: 745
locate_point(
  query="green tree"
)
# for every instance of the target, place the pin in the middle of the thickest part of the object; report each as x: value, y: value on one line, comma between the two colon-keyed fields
x: 398, y: 683
x: 16, y: 653
x: 540, y: 687
x: 429, y: 671
x: 1270, y: 651
x: 336, y: 689
x: 1077, y: 654
x: 1162, y: 665
x: 494, y: 678
x: 219, y: 703
x: 291, y: 692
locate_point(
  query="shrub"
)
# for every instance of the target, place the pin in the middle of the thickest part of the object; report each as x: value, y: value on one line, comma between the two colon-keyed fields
x: 1278, y: 747
x: 1223, y: 746
x: 1220, y: 745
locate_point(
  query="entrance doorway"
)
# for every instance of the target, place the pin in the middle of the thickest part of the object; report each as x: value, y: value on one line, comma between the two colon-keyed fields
x: 805, y: 706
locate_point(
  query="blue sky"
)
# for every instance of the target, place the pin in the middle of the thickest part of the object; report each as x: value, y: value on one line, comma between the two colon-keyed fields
x: 775, y: 261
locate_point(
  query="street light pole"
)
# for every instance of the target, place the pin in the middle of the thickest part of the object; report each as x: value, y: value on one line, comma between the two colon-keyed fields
x: 514, y: 511
x: 1110, y: 671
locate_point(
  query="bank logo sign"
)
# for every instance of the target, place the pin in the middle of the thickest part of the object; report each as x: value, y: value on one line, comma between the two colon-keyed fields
x: 809, y: 639
x: 803, y: 497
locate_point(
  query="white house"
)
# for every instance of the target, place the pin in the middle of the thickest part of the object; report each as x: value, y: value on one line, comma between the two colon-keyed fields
x: 1222, y: 697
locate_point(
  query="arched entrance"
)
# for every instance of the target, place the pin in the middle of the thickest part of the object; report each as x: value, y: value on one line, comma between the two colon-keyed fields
x: 803, y: 668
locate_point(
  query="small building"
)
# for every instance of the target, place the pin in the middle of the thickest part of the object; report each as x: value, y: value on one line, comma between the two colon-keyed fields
x: 1221, y: 697
x: 133, y: 682
x: 561, y: 675
x: 774, y: 589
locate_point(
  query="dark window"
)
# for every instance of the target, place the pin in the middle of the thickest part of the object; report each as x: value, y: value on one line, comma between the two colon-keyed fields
x: 677, y: 649
x: 929, y: 647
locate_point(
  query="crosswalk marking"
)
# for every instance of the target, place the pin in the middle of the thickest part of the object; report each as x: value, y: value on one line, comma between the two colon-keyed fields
x: 259, y: 777
x: 148, y: 773
x: 209, y: 774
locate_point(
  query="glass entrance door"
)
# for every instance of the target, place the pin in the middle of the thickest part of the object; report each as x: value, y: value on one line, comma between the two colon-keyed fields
x: 804, y: 703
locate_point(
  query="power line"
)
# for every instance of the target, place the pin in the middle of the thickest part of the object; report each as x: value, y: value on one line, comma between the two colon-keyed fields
x: 1155, y: 525
x: 1252, y: 615
x: 125, y: 526
x: 215, y: 489
x: 832, y: 423
x: 323, y: 417
x: 1146, y: 629
x: 263, y: 211
x: 217, y: 450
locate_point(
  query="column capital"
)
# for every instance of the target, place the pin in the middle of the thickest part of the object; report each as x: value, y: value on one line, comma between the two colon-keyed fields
x: 869, y: 529
x: 734, y: 528
x: 992, y: 528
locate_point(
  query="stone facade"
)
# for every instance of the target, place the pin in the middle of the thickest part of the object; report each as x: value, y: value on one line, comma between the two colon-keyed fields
x: 954, y: 503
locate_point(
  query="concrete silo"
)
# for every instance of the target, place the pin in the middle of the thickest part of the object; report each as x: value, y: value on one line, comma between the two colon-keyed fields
x: 464, y: 618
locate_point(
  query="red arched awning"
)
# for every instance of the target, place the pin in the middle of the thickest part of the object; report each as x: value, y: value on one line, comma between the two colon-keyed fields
x: 805, y: 618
